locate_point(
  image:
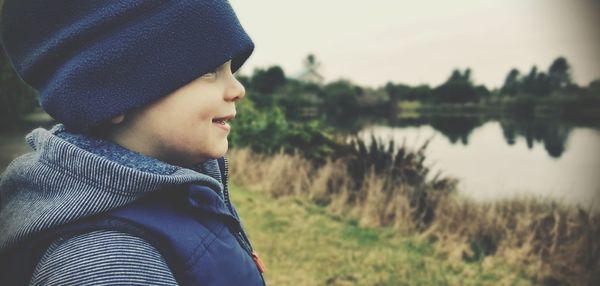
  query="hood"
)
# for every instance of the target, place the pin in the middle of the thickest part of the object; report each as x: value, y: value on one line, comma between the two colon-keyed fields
x: 69, y: 176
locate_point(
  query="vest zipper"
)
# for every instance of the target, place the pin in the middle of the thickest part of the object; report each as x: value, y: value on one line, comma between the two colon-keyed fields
x: 228, y: 201
x: 240, y: 235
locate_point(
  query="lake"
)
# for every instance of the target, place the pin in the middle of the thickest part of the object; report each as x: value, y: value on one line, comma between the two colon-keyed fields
x: 496, y: 160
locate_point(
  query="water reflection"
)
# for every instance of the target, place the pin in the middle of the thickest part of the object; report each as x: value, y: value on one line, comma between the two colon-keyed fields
x: 552, y: 134
x: 455, y: 128
x: 507, y: 158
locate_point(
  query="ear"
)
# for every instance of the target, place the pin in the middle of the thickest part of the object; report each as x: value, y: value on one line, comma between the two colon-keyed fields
x: 117, y: 119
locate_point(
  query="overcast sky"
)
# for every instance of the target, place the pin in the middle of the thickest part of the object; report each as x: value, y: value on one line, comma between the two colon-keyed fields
x: 373, y: 42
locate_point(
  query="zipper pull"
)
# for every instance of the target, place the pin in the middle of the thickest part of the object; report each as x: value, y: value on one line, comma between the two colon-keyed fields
x: 258, y: 262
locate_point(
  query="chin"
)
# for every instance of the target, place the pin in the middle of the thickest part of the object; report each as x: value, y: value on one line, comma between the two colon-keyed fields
x: 218, y: 153
x: 221, y: 154
x: 223, y: 149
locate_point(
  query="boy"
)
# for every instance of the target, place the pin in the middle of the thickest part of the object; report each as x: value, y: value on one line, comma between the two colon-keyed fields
x: 131, y: 188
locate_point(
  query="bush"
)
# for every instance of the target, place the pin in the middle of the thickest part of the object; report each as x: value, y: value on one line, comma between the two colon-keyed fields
x: 268, y: 131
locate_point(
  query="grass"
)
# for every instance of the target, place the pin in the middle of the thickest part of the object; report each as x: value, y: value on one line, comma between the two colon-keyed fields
x: 410, y: 105
x: 304, y: 244
x: 409, y: 109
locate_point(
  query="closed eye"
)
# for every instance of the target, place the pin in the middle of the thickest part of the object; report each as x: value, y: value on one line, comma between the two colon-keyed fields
x: 210, y: 74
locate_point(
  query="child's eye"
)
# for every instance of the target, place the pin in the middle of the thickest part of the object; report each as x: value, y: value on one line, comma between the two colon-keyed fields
x: 210, y: 74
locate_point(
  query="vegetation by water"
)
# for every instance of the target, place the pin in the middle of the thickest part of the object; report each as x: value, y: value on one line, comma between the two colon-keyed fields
x: 306, y: 116
x: 552, y: 244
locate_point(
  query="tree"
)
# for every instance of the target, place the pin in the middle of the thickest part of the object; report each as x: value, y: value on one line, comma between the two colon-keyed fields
x: 341, y: 98
x: 467, y: 75
x: 536, y: 83
x: 542, y: 85
x: 456, y: 76
x: 299, y: 99
x: 398, y: 92
x: 559, y: 74
x: 457, y: 89
x: 594, y: 88
x: 512, y: 83
x: 421, y: 92
x: 482, y: 90
x: 529, y: 81
x: 456, y: 92
x: 266, y: 81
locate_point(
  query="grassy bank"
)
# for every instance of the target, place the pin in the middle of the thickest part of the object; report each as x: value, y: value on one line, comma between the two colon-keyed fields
x: 551, y: 243
x: 305, y: 244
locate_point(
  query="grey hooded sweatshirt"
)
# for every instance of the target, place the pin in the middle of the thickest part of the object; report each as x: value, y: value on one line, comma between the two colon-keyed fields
x: 72, y: 176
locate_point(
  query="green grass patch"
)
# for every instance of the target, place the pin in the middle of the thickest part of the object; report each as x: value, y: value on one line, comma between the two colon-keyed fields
x: 410, y: 105
x: 304, y: 244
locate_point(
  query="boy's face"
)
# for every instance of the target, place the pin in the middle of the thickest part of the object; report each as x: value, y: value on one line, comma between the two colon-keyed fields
x: 187, y: 126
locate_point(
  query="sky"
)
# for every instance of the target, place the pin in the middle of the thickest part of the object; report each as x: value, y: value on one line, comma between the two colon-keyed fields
x: 421, y: 42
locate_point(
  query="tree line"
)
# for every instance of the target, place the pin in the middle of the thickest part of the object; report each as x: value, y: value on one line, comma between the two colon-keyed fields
x: 341, y: 99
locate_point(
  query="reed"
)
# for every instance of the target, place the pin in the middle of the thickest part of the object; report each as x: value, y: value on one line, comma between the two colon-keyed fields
x: 552, y: 243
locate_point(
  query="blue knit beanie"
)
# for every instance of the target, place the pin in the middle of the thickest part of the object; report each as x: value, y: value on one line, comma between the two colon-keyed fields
x: 92, y: 60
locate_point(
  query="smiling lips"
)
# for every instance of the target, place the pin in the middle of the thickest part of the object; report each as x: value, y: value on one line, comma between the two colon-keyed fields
x: 222, y: 122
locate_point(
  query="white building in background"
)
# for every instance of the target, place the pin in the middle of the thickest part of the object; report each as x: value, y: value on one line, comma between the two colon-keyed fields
x: 309, y: 75
x: 310, y: 72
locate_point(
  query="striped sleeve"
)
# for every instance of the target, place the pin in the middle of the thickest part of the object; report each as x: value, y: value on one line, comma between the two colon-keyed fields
x: 102, y: 258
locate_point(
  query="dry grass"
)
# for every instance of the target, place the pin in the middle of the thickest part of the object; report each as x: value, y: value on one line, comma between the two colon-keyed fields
x: 553, y: 244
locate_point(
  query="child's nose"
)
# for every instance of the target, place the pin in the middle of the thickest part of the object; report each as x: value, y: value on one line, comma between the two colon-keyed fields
x: 235, y: 91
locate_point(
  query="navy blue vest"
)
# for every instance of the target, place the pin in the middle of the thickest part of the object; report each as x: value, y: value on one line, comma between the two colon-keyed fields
x: 195, y: 229
x: 203, y: 244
